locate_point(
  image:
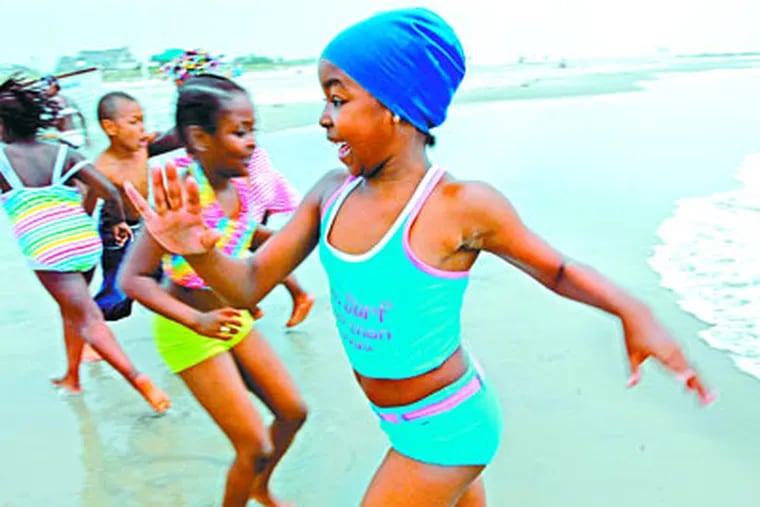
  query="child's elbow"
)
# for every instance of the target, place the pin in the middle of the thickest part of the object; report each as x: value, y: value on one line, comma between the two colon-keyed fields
x: 115, y: 197
x: 126, y: 283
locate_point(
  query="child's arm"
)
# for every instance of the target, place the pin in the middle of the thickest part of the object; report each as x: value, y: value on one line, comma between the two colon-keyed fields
x: 86, y: 133
x: 98, y: 183
x: 178, y: 225
x: 100, y: 186
x: 136, y: 282
x: 259, y: 237
x: 247, y: 282
x: 492, y: 224
x: 88, y: 199
x: 168, y: 141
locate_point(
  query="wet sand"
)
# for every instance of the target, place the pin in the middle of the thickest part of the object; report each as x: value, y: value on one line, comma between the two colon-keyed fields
x: 595, y: 175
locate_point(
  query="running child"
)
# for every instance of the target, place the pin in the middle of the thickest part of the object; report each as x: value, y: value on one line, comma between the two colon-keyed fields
x: 125, y: 159
x: 57, y: 237
x: 199, y: 337
x: 272, y: 192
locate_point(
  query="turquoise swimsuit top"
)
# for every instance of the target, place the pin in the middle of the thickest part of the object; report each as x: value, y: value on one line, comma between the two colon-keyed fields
x: 397, y: 317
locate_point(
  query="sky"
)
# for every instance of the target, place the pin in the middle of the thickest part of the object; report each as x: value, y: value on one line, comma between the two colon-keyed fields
x: 492, y: 31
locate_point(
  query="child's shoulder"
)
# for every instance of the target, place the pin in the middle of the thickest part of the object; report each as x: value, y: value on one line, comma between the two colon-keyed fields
x: 43, y: 153
x: 450, y: 185
x: 333, y: 180
x: 467, y: 195
x: 103, y: 156
x: 109, y: 163
x: 326, y: 186
x: 105, y: 163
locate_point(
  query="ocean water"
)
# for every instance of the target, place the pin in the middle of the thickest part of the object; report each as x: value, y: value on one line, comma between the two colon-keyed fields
x: 709, y: 255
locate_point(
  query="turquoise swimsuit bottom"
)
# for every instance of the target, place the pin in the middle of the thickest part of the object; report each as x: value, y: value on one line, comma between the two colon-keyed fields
x: 460, y: 424
x: 399, y: 318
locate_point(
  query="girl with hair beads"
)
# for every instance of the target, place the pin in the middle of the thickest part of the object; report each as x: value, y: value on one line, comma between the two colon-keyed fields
x: 397, y: 236
x: 272, y: 192
x: 197, y: 335
x: 55, y: 234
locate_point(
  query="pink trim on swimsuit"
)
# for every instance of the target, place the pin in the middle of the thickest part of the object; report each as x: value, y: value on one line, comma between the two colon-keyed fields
x: 418, y: 263
x: 465, y: 392
x: 393, y: 418
x: 335, y: 194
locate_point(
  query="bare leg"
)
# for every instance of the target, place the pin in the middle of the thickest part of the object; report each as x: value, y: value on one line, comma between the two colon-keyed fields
x: 88, y: 353
x: 74, y: 345
x: 302, y: 301
x: 217, y: 386
x: 401, y: 481
x: 474, y: 496
x: 80, y: 312
x: 271, y: 383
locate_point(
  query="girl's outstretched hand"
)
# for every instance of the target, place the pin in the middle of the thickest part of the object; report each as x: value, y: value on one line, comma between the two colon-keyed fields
x: 646, y: 338
x: 176, y: 223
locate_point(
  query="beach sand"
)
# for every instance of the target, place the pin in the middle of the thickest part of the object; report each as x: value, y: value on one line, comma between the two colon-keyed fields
x: 595, y: 175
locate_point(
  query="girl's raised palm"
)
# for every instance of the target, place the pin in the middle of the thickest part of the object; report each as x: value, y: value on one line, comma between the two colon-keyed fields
x: 176, y: 223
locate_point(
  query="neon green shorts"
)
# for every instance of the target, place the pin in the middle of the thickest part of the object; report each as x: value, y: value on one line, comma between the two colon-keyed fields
x: 180, y: 347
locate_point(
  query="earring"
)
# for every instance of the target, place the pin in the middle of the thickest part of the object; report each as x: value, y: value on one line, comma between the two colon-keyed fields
x: 396, y: 118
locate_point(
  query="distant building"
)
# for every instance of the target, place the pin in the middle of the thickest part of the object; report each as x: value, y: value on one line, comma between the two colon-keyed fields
x: 106, y: 59
x: 165, y: 56
x: 7, y: 71
x: 69, y: 63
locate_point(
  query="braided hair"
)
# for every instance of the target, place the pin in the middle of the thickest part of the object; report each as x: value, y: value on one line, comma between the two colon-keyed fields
x: 25, y: 109
x: 201, y: 102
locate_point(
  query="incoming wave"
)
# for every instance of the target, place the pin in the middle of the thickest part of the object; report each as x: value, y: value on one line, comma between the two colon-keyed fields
x: 710, y: 257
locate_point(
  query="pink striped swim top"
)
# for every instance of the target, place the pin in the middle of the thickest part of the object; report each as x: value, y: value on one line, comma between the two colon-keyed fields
x: 50, y: 225
x: 271, y: 192
x: 237, y: 232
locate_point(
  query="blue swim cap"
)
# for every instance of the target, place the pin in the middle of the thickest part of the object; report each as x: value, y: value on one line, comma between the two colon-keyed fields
x: 409, y: 59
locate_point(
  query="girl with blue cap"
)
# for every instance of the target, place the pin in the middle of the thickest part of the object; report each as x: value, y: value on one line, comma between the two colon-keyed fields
x: 397, y: 236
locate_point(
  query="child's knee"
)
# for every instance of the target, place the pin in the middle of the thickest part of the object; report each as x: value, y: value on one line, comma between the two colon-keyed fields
x: 92, y: 328
x: 81, y: 310
x: 254, y: 446
x: 294, y: 416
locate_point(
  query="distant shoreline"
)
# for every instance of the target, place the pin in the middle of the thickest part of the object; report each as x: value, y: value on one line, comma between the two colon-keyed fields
x: 143, y: 73
x: 546, y: 82
x: 231, y: 71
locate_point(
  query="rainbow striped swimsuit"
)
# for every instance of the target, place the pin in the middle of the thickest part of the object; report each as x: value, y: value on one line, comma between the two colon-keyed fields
x: 52, y: 229
x: 237, y: 232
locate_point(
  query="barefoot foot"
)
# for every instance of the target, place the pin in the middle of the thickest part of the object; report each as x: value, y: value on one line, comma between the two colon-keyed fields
x: 157, y: 399
x: 260, y: 492
x: 68, y: 383
x: 89, y: 355
x: 301, y: 307
x: 265, y: 498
